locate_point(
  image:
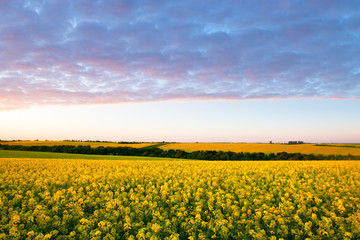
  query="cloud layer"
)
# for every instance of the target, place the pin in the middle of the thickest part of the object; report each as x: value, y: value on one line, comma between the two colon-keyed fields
x: 84, y: 52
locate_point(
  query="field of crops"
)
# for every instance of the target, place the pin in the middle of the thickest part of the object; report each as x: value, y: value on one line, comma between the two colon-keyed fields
x: 29, y: 154
x: 107, y: 199
x: 330, y: 149
x: 327, y: 149
x: 77, y: 143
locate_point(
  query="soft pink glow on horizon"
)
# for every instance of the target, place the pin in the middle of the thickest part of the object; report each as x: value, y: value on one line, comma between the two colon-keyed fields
x: 189, y: 121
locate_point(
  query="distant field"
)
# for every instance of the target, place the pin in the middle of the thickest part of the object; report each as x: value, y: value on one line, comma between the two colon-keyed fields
x: 28, y: 154
x: 76, y: 143
x: 330, y: 149
x: 325, y: 149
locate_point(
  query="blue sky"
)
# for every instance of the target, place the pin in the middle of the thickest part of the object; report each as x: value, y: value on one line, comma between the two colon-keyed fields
x: 227, y: 70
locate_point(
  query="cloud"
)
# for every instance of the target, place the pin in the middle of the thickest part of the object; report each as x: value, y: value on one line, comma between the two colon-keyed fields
x: 74, y: 52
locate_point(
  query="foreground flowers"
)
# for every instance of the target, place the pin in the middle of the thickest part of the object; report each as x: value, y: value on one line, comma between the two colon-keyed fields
x: 85, y: 199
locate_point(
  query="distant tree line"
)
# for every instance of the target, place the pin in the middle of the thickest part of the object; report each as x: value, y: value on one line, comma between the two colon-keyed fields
x: 157, y: 152
x: 342, y: 145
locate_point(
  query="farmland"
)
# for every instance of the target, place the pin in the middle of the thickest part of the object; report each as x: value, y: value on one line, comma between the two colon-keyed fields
x: 51, y: 155
x: 329, y: 149
x: 78, y: 143
x: 127, y: 199
x: 324, y: 149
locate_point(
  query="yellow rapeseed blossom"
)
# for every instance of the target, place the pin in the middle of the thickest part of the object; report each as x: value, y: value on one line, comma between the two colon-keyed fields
x: 264, y: 147
x: 155, y: 227
x: 104, y: 199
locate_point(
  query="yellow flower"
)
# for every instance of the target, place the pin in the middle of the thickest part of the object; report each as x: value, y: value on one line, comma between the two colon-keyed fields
x: 156, y: 228
x: 308, y: 226
x: 15, y: 219
x: 47, y: 236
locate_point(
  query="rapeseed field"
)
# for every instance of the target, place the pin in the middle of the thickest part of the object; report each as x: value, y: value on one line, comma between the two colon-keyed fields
x: 77, y: 143
x: 328, y: 149
x: 109, y: 199
x: 325, y: 149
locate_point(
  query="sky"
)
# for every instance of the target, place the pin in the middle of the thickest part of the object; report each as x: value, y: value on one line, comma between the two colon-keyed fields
x: 210, y: 71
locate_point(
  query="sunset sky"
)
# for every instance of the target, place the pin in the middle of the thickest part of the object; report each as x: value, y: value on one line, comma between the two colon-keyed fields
x: 209, y: 71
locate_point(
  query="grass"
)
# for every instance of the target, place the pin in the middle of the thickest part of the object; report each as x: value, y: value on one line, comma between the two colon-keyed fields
x: 47, y: 155
x: 266, y: 148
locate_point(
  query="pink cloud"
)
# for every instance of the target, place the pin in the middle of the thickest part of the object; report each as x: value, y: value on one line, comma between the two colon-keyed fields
x: 67, y: 52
